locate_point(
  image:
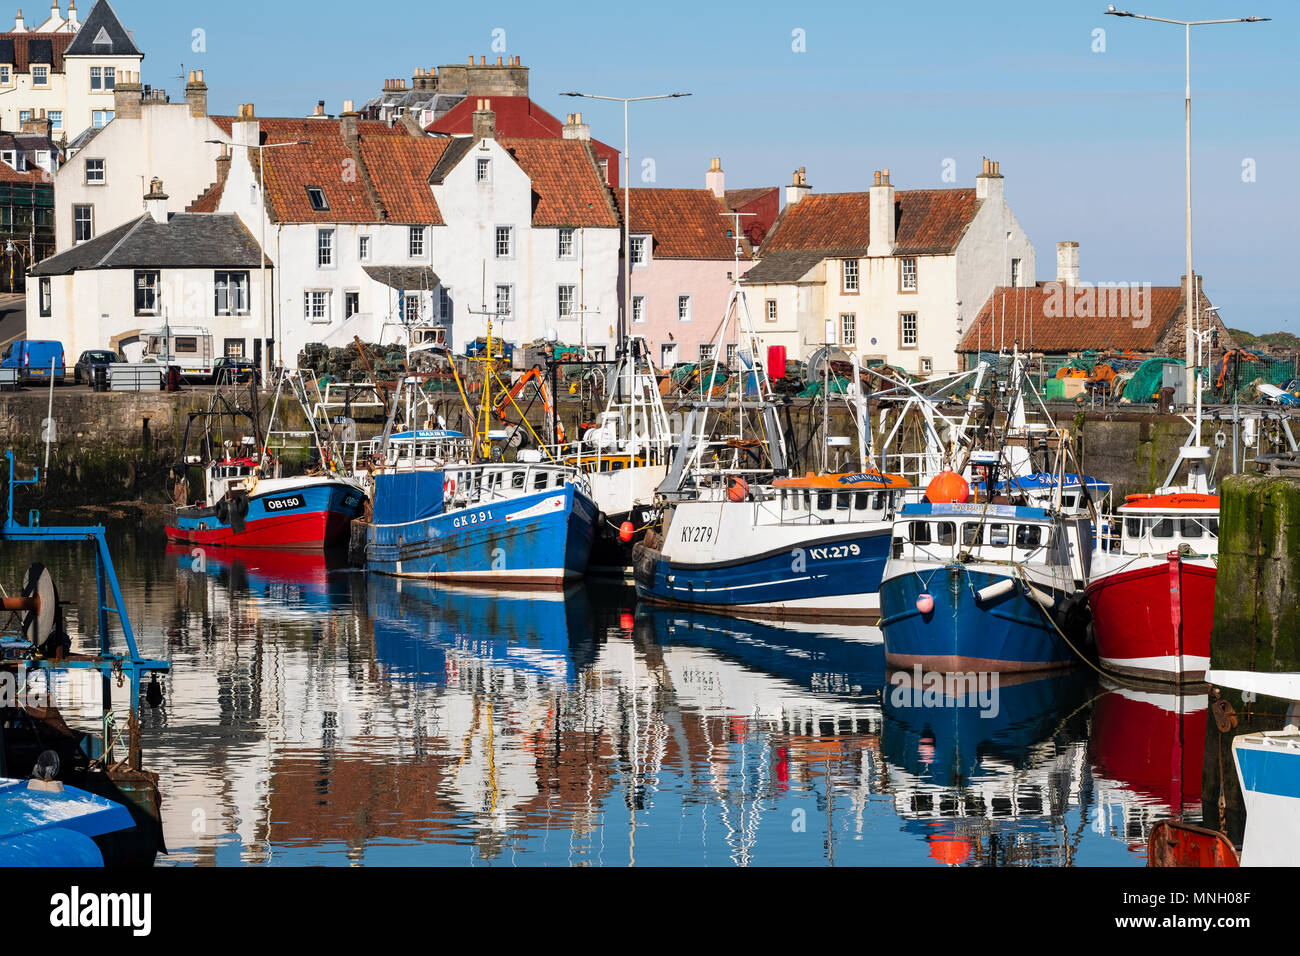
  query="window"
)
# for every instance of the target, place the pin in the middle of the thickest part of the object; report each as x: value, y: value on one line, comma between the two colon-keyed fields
x: 444, y: 304
x: 639, y: 244
x: 351, y: 304
x: 483, y: 170
x: 505, y: 242
x: 316, y: 196
x: 146, y: 293
x: 927, y: 366
x: 324, y: 248
x: 24, y: 115
x: 604, y: 170
x: 415, y: 242
x: 1015, y: 272
x: 907, y: 330
x: 848, y: 329
x: 56, y: 121
x: 1028, y: 536
x: 731, y: 355
x: 83, y: 223
x: 565, y: 250
x: 231, y: 293
x: 40, y: 75
x: 6, y: 76
x: 850, y: 275
x: 110, y: 77
x: 101, y: 118
x: 907, y: 274
x: 668, y: 355
x: 363, y: 248
x: 234, y: 348
x: 411, y: 308
x: 771, y: 310
x: 316, y: 305
x: 504, y: 295
x: 638, y: 309
x: 46, y: 298
x: 565, y: 303
x: 102, y: 78
x: 999, y: 535
x: 94, y: 172
x: 683, y: 308
x: 707, y: 351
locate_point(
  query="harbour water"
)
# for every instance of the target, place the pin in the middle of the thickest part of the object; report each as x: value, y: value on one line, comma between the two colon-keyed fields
x: 318, y: 715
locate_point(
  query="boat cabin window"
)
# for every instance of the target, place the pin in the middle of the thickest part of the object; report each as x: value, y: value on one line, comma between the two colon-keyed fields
x: 1190, y: 528
x: 539, y: 481
x: 972, y: 535
x: 843, y: 500
x: 919, y: 532
x: 823, y: 501
x: 999, y: 535
x: 1164, y: 528
x: 1029, y: 536
x: 862, y: 501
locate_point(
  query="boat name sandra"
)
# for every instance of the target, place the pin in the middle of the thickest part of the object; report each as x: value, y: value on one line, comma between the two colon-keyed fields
x: 917, y: 688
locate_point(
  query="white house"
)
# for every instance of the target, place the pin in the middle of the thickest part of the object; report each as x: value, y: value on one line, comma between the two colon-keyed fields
x: 895, y: 275
x: 376, y: 231
x: 100, y: 186
x: 182, y: 269
x: 64, y: 69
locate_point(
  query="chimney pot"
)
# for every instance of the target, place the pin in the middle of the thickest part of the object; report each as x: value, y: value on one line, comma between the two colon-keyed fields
x: 499, y: 63
x: 1067, y: 263
x: 876, y: 182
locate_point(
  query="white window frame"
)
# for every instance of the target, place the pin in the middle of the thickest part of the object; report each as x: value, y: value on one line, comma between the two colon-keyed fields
x: 638, y: 310
x: 103, y: 172
x: 1015, y: 271
x: 560, y: 291
x: 509, y: 236
x: 355, y: 295
x: 571, y: 235
x: 311, y: 297
x: 44, y: 70
x: 771, y: 312
x: 850, y: 277
x: 56, y: 120
x: 363, y: 247
x: 6, y: 75
x: 706, y: 352
x: 685, y: 308
x: 415, y: 245
x: 849, y: 329
x: 640, y: 251
x: 904, y: 275
x: 221, y: 282
x: 411, y: 307
x: 483, y: 169
x: 506, y: 314
x: 902, y: 330
x: 97, y: 115
x: 325, y: 250
x: 90, y: 221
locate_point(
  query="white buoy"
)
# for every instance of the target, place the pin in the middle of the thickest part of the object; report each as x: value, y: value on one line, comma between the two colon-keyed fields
x: 995, y: 591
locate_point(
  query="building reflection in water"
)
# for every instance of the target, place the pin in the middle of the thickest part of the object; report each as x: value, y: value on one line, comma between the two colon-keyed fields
x: 318, y: 715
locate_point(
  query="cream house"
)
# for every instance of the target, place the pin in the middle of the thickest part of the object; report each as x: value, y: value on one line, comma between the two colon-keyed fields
x: 894, y: 275
x: 65, y: 70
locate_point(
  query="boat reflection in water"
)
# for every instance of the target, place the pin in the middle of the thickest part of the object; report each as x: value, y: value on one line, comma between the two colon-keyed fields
x: 339, y: 717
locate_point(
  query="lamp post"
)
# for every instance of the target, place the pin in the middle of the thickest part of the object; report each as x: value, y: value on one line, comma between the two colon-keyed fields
x: 626, y: 315
x: 261, y: 198
x: 1188, y: 292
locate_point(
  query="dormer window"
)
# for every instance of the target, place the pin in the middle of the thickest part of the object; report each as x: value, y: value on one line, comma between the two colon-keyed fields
x: 640, y: 250
x: 316, y: 196
x: 40, y: 76
x: 6, y: 74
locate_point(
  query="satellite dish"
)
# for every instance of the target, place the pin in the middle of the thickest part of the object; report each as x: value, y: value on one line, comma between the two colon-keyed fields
x: 817, y: 362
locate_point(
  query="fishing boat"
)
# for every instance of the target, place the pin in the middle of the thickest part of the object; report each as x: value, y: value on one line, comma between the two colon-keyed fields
x: 447, y: 506
x: 738, y: 532
x: 248, y: 503
x: 46, y: 823
x: 1152, y: 593
x: 984, y: 587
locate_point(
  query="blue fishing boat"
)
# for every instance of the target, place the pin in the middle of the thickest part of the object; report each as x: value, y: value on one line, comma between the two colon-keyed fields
x: 1040, y: 489
x: 984, y: 587
x: 45, y: 823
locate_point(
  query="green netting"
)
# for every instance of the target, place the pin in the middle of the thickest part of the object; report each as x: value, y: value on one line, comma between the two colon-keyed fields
x: 1148, y: 380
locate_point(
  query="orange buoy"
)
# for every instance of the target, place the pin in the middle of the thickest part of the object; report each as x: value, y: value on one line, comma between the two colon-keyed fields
x: 626, y: 530
x: 947, y: 488
x: 737, y: 489
x: 925, y: 602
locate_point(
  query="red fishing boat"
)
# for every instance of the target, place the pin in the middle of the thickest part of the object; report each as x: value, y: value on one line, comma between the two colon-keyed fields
x: 1151, y: 592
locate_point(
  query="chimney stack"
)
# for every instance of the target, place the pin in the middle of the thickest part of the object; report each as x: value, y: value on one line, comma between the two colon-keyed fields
x: 19, y: 26
x: 72, y: 13
x: 246, y: 130
x: 1067, y: 263
x: 485, y: 121
x: 196, y: 94
x: 575, y: 128
x: 127, y: 95
x: 882, y: 221
x: 714, y: 180
x: 38, y: 123
x: 988, y: 184
x: 798, y: 188
x: 349, y: 125
x: 155, y: 202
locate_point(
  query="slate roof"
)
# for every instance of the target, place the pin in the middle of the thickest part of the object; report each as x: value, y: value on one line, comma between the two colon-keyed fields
x: 1041, y: 318
x: 102, y: 19
x: 927, y: 222
x: 404, y: 277
x: 685, y: 223
x: 567, y: 188
x: 454, y: 153
x: 787, y: 266
x: 185, y: 241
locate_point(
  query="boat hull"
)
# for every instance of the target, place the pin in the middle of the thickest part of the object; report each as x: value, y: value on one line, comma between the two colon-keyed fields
x: 309, y: 515
x: 1153, y: 621
x: 1010, y: 633
x: 1268, y: 769
x: 537, y: 540
x: 835, y: 576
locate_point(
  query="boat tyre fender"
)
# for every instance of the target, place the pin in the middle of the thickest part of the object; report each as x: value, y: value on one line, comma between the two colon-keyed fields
x: 223, y: 511
x: 238, y: 512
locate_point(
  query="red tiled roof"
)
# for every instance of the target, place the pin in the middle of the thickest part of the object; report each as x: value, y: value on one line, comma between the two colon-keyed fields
x: 685, y: 223
x: 928, y: 221
x: 59, y: 43
x: 10, y: 175
x: 567, y: 189
x: 400, y: 170
x: 1050, y: 317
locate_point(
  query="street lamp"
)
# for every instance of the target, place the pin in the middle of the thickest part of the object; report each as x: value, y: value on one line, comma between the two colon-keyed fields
x: 1187, y: 111
x: 261, y: 198
x: 625, y: 317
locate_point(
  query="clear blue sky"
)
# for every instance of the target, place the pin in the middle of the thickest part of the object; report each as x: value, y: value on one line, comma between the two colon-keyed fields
x: 1091, y: 143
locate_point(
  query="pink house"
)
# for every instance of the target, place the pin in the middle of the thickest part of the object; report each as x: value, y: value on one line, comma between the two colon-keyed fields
x: 683, y: 263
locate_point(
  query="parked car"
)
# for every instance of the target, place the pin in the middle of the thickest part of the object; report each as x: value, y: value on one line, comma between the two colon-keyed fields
x: 32, y: 357
x: 84, y: 370
x: 233, y: 370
